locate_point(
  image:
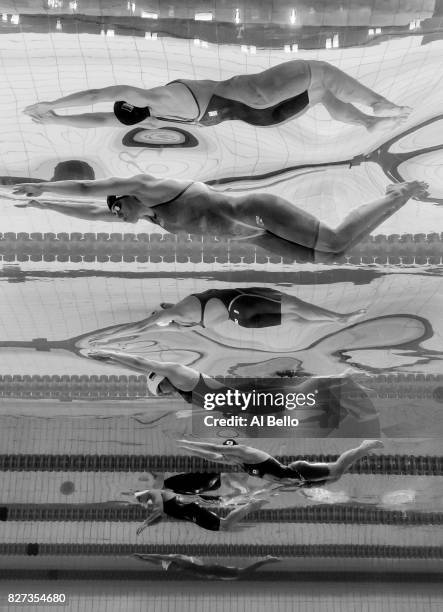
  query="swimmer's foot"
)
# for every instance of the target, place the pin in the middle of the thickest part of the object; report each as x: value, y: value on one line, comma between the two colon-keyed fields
x: 369, y: 445
x: 385, y: 107
x: 410, y: 189
x: 350, y: 317
x: 381, y: 124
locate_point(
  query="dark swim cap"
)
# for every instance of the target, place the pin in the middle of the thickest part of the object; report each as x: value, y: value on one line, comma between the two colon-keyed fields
x: 129, y: 114
x: 230, y: 442
x: 112, y: 200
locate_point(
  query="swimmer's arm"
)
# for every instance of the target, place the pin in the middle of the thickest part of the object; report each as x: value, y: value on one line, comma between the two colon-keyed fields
x: 181, y: 376
x: 151, y: 518
x: 99, y: 187
x: 86, y: 212
x: 134, y: 95
x: 78, y: 120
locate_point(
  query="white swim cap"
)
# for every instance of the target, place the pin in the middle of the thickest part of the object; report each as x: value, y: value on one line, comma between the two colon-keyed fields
x: 139, y: 494
x: 153, y: 382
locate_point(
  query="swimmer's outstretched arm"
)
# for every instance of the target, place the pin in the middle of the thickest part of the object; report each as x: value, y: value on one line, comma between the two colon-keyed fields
x: 87, y: 120
x: 134, y: 95
x: 199, y: 567
x: 84, y: 211
x: 227, y: 454
x: 100, y: 187
x: 180, y: 376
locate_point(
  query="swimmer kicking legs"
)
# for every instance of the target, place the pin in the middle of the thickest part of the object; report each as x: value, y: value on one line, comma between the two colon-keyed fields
x: 250, y: 457
x: 244, y: 218
x: 338, y: 92
x: 286, y: 221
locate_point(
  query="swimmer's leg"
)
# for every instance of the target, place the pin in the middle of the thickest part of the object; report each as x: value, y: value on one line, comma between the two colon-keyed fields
x: 268, y: 87
x: 239, y: 513
x: 363, y: 220
x: 348, y: 113
x: 292, y: 306
x: 287, y: 221
x: 326, y: 77
x: 348, y: 458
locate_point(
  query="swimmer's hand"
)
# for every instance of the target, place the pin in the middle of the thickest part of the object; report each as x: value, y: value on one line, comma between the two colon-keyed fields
x: 49, y: 117
x: 32, y: 190
x: 39, y: 108
x: 33, y: 204
x: 141, y: 528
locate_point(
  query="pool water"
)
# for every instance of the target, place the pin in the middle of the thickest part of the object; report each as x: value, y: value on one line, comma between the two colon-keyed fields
x: 79, y: 436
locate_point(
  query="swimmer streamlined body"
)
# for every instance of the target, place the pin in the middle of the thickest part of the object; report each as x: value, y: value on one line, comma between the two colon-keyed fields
x: 262, y: 465
x: 267, y: 98
x: 161, y: 503
x: 196, y: 565
x: 248, y: 307
x: 177, y: 205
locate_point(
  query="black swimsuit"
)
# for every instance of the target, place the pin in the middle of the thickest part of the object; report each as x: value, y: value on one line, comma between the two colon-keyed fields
x: 191, y: 512
x: 192, y: 483
x: 223, y: 109
x: 252, y: 307
x: 307, y: 474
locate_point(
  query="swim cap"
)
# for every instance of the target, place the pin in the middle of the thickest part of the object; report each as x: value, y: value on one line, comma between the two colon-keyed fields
x: 154, y: 381
x: 139, y: 494
x: 129, y: 114
x: 112, y: 202
x: 230, y: 442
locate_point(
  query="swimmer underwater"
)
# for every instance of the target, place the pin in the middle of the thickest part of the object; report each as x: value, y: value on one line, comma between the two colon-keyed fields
x: 271, y: 97
x: 162, y: 502
x: 184, y: 206
x: 196, y: 565
x: 260, y: 464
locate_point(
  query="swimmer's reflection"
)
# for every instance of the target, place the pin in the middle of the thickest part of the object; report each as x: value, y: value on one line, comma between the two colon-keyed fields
x: 267, y: 98
x: 161, y: 137
x: 71, y: 169
x: 198, y: 567
x: 338, y: 399
x: 247, y: 307
x: 264, y: 220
